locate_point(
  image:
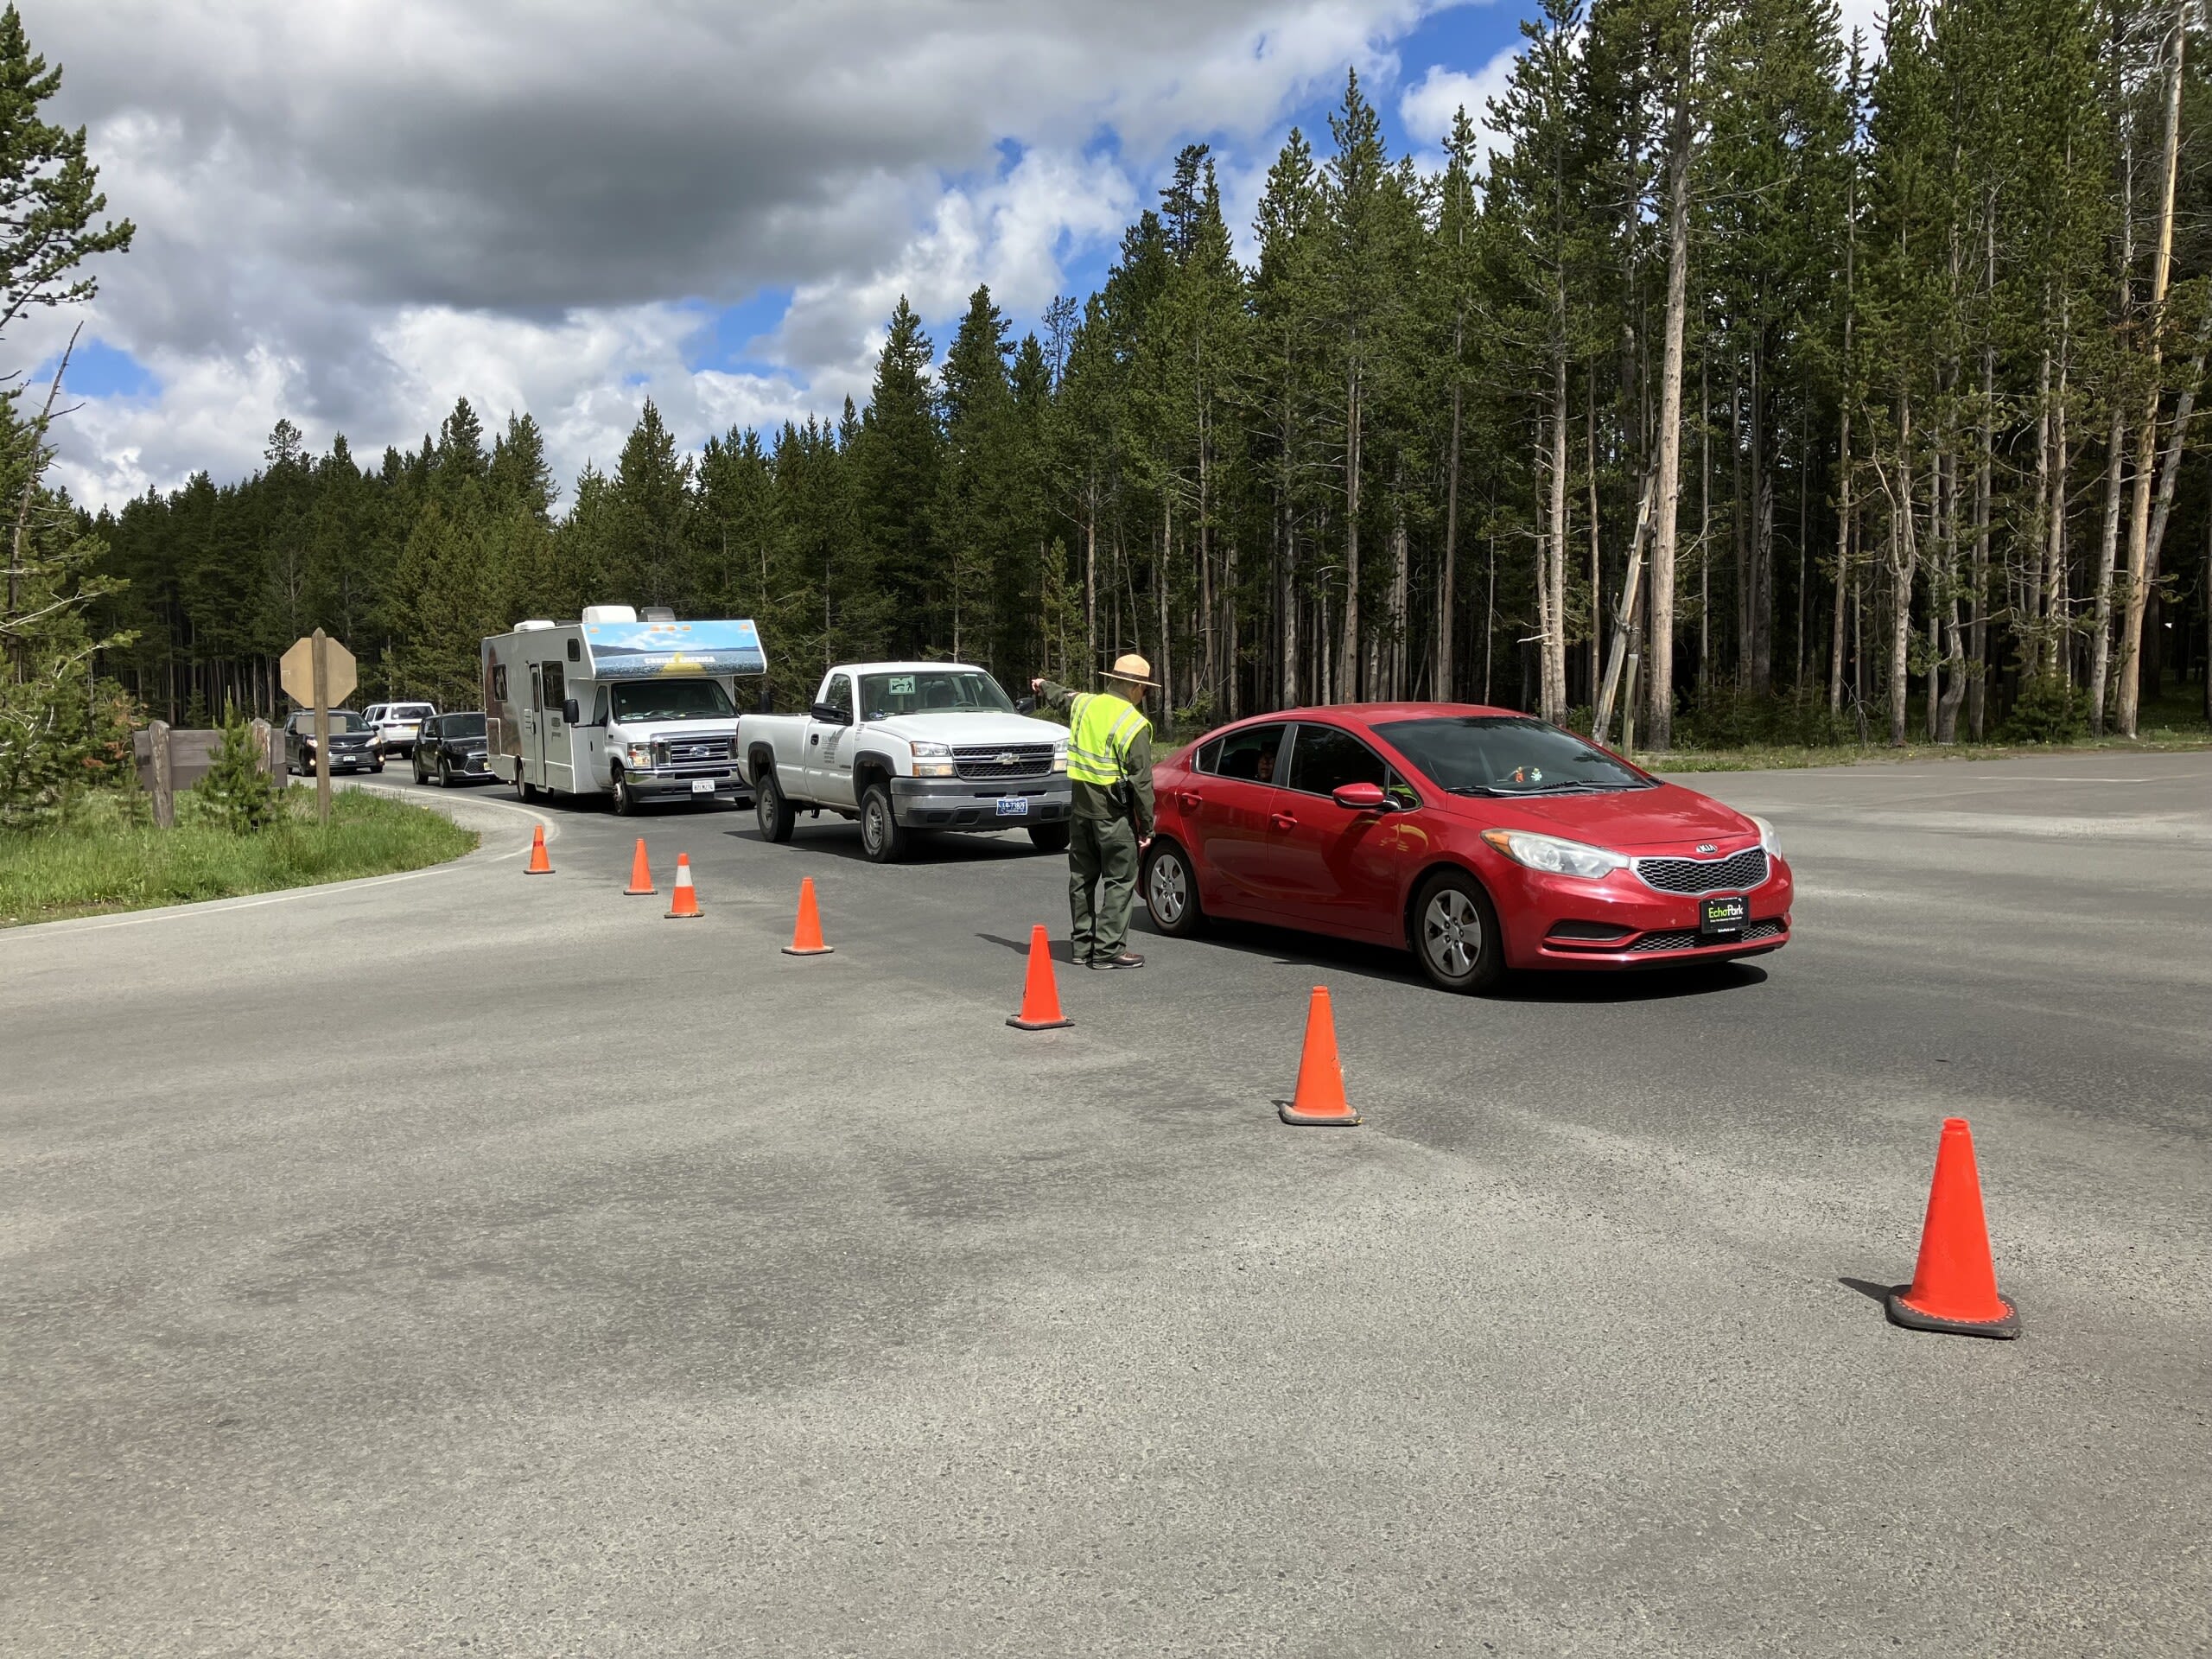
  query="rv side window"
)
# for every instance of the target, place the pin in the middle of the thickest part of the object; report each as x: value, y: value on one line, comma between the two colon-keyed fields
x: 556, y: 686
x: 575, y: 652
x: 499, y: 680
x: 599, y: 707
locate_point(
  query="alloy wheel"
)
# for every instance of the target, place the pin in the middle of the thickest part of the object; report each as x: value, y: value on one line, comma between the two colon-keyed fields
x: 1171, y: 891
x: 1452, y: 933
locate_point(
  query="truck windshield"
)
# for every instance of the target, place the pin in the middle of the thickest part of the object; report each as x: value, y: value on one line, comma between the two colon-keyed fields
x: 672, y: 700
x: 931, y: 691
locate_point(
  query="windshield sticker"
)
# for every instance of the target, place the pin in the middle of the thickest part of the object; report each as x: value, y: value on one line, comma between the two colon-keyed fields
x: 902, y: 686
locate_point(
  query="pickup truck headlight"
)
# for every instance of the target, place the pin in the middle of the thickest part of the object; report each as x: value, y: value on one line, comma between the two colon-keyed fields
x: 1059, y: 757
x: 934, y: 760
x: 932, y: 752
x: 1555, y: 856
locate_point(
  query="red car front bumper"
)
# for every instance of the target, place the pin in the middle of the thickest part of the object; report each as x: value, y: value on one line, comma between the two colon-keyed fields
x: 1552, y: 921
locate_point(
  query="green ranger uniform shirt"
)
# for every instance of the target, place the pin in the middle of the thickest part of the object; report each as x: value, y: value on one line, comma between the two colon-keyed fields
x: 1109, y: 755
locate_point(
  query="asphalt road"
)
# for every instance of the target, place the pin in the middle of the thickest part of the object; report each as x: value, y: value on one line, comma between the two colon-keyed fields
x: 464, y: 1262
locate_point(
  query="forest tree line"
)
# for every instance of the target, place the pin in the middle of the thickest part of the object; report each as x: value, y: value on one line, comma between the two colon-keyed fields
x: 1751, y: 382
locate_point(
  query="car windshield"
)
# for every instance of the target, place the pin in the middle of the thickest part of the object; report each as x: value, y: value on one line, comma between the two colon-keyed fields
x: 464, y: 725
x: 671, y: 700
x: 931, y: 691
x: 1507, y: 754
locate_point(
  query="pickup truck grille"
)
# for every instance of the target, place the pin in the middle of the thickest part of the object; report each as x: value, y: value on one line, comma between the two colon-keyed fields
x: 1738, y: 873
x: 992, y: 760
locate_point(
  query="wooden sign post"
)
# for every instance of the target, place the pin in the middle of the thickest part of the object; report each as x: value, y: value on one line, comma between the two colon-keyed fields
x: 318, y: 672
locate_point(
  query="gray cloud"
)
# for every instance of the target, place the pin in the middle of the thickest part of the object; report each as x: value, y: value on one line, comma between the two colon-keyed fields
x: 311, y: 182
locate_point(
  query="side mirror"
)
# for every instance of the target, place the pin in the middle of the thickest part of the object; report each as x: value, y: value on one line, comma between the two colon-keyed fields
x: 570, y: 713
x: 830, y: 714
x: 1025, y: 706
x: 1361, y: 798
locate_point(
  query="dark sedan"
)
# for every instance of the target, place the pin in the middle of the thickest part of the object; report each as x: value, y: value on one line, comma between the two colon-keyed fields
x: 353, y: 743
x: 452, y: 749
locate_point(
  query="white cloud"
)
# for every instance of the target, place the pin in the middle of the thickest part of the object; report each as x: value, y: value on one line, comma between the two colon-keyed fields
x: 351, y: 213
x: 1428, y: 105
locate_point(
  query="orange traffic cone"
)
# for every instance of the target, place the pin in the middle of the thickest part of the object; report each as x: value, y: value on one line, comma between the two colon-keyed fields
x: 641, y: 873
x: 684, y: 902
x: 1040, y: 997
x: 1320, y: 1097
x: 1955, y: 1284
x: 539, y: 864
x: 806, y: 938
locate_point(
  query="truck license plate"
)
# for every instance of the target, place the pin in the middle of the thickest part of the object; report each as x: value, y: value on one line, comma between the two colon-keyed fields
x: 702, y: 785
x: 1014, y: 806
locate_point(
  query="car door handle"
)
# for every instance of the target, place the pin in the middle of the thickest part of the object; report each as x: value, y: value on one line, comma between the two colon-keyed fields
x: 1189, y: 802
x: 1283, y: 820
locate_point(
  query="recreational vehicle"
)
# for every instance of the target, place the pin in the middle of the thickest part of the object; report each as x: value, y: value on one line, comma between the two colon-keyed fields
x: 642, y: 709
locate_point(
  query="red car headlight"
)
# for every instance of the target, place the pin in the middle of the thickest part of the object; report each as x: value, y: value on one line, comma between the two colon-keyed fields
x: 1555, y: 856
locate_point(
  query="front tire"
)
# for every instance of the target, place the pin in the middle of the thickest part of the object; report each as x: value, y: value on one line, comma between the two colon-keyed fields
x: 421, y: 777
x: 881, y: 837
x: 445, y: 772
x: 1171, y: 892
x: 1456, y: 936
x: 626, y: 798
x: 771, y: 811
x: 1049, y: 837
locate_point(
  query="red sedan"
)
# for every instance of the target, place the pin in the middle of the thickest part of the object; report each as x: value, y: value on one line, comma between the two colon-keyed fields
x: 1481, y: 840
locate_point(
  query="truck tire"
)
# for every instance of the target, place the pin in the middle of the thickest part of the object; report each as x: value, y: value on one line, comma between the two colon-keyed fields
x: 626, y: 798
x: 771, y: 810
x: 881, y: 837
x: 1049, y: 837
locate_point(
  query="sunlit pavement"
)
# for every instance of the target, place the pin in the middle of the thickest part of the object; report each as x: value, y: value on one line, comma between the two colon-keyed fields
x: 469, y: 1258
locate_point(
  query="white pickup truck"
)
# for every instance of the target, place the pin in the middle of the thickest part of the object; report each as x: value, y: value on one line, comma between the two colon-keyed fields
x: 908, y: 746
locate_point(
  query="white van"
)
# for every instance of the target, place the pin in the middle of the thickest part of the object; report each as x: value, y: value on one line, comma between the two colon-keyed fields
x: 642, y: 709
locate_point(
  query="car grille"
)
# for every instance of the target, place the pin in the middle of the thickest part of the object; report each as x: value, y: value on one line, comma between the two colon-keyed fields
x: 1691, y: 939
x: 1738, y: 873
x: 702, y: 755
x: 1004, y: 760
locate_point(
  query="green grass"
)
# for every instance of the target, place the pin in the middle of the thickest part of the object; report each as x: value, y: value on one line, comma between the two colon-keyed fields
x: 100, y: 862
x: 2170, y: 721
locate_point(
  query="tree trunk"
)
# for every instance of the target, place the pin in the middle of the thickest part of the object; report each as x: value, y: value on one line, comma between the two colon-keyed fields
x: 2108, y: 557
x: 1842, y: 562
x: 1348, y: 657
x: 1903, y: 560
x: 1660, y: 645
x: 1553, y: 690
x: 1447, y: 685
x: 2146, y: 437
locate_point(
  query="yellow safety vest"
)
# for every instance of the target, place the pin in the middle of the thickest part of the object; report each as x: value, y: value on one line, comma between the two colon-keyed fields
x: 1100, y: 731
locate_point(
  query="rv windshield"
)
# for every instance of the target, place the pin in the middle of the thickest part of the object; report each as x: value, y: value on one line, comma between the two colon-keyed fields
x: 931, y: 691
x: 672, y: 700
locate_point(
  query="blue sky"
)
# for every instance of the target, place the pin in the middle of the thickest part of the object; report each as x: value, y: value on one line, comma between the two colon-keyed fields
x: 716, y: 207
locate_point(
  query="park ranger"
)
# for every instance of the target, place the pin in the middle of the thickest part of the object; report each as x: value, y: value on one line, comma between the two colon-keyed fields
x: 1109, y: 768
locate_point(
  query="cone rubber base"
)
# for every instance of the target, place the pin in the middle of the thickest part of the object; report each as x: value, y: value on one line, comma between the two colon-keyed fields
x: 810, y: 951
x: 1904, y: 1313
x: 1021, y: 1024
x: 687, y: 916
x: 1290, y: 1114
x: 537, y: 871
x: 639, y: 892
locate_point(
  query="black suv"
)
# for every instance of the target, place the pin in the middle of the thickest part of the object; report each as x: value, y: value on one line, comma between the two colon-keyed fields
x: 452, y: 748
x: 353, y: 743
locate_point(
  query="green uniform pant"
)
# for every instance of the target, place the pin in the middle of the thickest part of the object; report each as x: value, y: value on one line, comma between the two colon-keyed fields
x: 1102, y: 852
